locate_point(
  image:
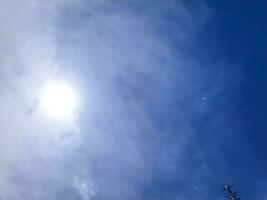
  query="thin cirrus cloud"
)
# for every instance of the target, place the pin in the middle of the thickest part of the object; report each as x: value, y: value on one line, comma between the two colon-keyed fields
x: 137, y: 86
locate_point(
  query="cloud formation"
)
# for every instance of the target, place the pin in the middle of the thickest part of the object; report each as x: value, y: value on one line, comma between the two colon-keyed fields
x: 144, y: 95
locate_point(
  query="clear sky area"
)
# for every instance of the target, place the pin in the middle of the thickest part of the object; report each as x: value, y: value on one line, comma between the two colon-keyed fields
x: 133, y: 99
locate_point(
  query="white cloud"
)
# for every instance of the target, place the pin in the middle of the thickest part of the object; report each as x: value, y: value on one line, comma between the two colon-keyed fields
x: 86, y: 189
x: 122, y: 61
x: 28, y: 59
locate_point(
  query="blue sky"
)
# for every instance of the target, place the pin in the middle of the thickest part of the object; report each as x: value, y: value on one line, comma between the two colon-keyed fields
x: 173, y: 99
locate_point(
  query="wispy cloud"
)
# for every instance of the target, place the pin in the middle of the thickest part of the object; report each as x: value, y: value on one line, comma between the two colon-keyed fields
x: 86, y: 189
x: 140, y: 93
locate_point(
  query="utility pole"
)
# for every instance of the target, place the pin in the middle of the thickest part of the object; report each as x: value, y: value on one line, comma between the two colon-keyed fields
x: 231, y: 195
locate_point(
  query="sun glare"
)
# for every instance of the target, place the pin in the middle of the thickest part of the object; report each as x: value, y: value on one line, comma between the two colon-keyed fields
x: 59, y: 101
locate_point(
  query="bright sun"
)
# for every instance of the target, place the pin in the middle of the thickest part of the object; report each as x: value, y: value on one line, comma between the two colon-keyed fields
x: 59, y: 101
